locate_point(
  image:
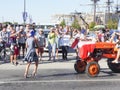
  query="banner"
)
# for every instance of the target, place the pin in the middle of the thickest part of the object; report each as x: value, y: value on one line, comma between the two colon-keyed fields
x: 25, y: 16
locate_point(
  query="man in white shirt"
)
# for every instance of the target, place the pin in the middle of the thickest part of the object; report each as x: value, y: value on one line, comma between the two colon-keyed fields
x: 65, y: 42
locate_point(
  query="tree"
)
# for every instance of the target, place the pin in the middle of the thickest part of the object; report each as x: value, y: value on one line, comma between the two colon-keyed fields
x: 91, y: 25
x: 7, y: 23
x: 16, y: 23
x: 112, y: 24
x: 75, y: 24
x: 63, y: 24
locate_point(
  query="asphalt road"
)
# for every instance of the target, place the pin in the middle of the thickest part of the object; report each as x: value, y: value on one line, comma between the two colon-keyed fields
x: 59, y: 75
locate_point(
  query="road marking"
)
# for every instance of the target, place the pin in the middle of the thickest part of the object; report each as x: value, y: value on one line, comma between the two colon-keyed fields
x: 60, y: 81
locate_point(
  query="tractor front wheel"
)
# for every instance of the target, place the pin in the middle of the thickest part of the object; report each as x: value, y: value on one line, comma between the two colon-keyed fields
x: 92, y: 69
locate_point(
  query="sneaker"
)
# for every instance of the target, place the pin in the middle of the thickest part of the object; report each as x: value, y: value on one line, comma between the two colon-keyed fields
x: 12, y: 63
x: 49, y: 59
x: 54, y: 60
x: 65, y: 58
x: 16, y: 63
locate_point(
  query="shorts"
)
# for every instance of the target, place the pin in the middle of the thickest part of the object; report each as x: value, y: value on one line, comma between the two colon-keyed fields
x: 15, y: 50
x: 36, y: 46
x: 21, y: 45
x: 41, y: 49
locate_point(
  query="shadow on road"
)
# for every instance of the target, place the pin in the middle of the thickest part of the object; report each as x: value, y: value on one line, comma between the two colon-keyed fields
x: 107, y: 72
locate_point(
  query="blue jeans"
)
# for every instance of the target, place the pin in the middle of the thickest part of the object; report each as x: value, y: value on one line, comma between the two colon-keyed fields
x: 52, y: 48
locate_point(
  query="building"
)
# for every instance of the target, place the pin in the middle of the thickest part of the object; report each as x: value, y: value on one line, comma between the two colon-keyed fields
x: 85, y: 18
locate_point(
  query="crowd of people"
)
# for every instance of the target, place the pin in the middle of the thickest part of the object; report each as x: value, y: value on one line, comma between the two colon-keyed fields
x: 29, y: 42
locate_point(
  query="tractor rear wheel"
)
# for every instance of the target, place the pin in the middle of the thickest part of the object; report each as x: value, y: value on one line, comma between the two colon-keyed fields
x: 92, y: 69
x: 80, y: 66
x: 115, y: 67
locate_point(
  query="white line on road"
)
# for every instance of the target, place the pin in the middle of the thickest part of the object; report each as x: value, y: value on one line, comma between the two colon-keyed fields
x: 61, y: 81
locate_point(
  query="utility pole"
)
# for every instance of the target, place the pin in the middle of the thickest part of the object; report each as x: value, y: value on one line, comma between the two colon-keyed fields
x: 24, y: 13
x: 108, y: 7
x: 94, y: 3
x: 24, y: 5
x: 117, y: 8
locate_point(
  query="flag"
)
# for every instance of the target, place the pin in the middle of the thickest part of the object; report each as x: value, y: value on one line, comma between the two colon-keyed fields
x: 25, y: 16
x: 75, y: 43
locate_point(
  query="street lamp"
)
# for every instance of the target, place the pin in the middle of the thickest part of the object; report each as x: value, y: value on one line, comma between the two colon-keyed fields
x: 108, y: 7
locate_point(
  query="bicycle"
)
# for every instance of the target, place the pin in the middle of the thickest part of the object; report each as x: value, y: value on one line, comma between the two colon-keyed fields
x: 5, y: 52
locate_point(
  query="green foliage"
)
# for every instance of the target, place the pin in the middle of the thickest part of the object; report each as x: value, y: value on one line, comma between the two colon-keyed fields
x: 63, y: 24
x: 16, y: 23
x: 112, y: 24
x: 7, y: 23
x: 91, y: 25
x: 75, y: 24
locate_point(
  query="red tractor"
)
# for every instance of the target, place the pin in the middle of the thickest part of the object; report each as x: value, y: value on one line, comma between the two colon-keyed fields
x: 89, y: 63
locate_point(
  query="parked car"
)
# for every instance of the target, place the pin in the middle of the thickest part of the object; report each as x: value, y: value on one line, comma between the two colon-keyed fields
x: 46, y: 32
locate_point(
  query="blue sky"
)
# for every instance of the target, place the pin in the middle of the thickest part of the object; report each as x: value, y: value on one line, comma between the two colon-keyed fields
x: 41, y: 11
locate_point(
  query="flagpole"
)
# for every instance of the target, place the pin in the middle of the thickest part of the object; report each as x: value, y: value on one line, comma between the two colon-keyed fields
x: 24, y: 10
